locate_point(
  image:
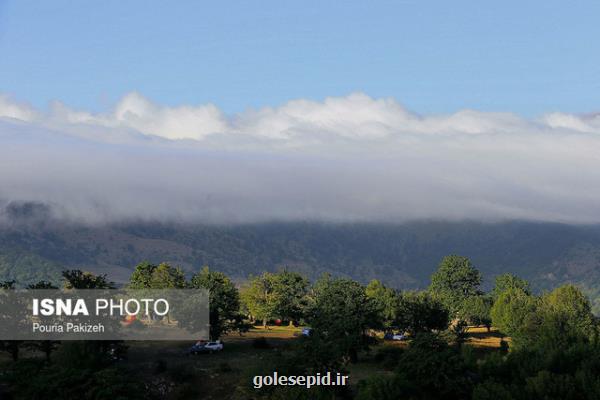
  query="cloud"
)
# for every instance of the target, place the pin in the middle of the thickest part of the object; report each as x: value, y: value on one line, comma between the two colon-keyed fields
x: 350, y: 158
x: 13, y: 110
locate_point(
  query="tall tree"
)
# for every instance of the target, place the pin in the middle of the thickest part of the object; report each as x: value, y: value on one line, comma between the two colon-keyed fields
x: 574, y: 307
x: 141, y: 278
x: 45, y: 346
x: 290, y: 290
x: 385, y: 302
x: 509, y: 281
x: 96, y: 349
x: 12, y: 347
x: 341, y: 314
x: 224, y: 301
x: 514, y: 314
x: 418, y: 312
x: 260, y: 298
x: 455, y: 280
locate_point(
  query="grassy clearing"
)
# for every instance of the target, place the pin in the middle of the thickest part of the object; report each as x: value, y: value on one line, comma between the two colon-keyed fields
x: 217, y: 376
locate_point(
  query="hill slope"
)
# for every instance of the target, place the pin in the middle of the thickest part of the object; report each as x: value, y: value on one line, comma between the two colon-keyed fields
x: 401, y: 255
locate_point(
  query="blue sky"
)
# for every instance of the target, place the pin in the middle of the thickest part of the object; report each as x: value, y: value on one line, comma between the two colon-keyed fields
x: 434, y: 57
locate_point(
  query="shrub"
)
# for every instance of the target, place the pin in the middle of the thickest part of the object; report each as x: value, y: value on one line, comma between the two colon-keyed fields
x: 389, y: 356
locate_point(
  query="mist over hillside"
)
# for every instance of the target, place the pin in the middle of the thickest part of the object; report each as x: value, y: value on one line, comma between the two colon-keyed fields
x: 401, y: 255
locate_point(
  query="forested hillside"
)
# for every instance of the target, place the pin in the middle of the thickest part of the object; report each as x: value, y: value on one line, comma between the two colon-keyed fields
x: 402, y: 255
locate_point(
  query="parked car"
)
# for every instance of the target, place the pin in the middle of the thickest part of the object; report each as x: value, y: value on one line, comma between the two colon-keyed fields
x: 307, y: 331
x: 202, y: 347
x: 394, y: 336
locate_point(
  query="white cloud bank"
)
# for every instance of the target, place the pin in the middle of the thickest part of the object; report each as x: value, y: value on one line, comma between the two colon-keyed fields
x: 346, y: 158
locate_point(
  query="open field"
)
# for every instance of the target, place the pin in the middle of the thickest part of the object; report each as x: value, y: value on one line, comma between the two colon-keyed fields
x: 221, y: 375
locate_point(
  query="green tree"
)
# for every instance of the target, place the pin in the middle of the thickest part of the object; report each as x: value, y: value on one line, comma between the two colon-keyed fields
x: 12, y: 347
x: 290, y: 289
x: 564, y: 318
x: 476, y: 311
x: 7, y: 284
x: 42, y: 285
x: 45, y: 346
x: 77, y: 279
x: 141, y: 278
x: 433, y: 370
x: 418, y: 312
x: 103, y: 350
x: 514, y: 314
x: 340, y: 316
x: 224, y: 301
x: 164, y: 276
x: 260, y: 298
x: 509, y: 281
x: 454, y: 281
x: 569, y: 301
x: 385, y: 301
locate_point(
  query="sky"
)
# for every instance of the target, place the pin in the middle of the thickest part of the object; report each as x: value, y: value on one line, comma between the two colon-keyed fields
x: 241, y: 112
x: 526, y: 57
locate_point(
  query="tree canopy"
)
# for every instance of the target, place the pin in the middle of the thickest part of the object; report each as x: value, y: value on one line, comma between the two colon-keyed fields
x: 507, y: 281
x: 224, y: 306
x: 454, y: 281
x: 418, y: 312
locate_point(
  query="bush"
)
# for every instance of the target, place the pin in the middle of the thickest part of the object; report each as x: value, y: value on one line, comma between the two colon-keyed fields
x: 389, y: 357
x: 383, y: 388
x: 490, y: 390
x: 35, y: 380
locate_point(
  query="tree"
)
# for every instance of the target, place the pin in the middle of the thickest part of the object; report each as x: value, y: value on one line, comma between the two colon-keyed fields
x: 569, y: 301
x: 10, y: 346
x: 476, y: 311
x: 260, y: 298
x: 45, y: 346
x: 565, y: 318
x: 96, y: 349
x: 77, y: 279
x: 141, y: 278
x: 454, y: 281
x: 42, y: 285
x: 514, y: 314
x: 224, y: 301
x: 434, y: 369
x: 290, y: 290
x: 7, y: 284
x: 385, y: 301
x: 164, y: 276
x: 509, y: 281
x: 418, y: 312
x: 341, y: 314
